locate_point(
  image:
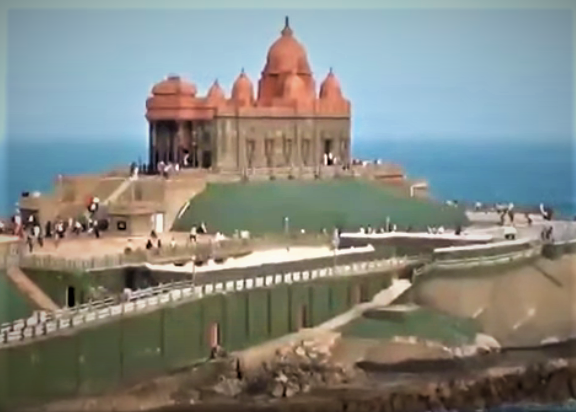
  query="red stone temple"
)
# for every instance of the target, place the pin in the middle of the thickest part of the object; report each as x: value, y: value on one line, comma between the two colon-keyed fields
x: 285, y: 122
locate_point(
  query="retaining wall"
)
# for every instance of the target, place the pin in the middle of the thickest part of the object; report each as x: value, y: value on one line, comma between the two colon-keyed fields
x: 556, y: 250
x: 101, y: 356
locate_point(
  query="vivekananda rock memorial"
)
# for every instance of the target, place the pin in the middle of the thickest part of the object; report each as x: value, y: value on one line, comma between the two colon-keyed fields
x: 249, y: 158
x: 287, y: 124
x: 284, y: 122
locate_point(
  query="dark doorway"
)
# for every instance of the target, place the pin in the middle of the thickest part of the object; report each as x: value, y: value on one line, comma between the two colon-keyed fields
x: 304, y: 321
x: 139, y: 278
x: 328, y: 152
x: 193, y: 160
x: 130, y: 278
x: 207, y: 160
x: 364, y: 293
x: 71, y: 296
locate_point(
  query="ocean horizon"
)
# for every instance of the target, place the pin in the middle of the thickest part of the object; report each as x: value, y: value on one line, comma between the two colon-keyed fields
x: 525, y: 172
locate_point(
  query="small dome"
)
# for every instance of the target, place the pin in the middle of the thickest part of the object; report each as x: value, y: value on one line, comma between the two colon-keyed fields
x: 330, y: 87
x: 287, y: 54
x: 215, y: 93
x: 174, y: 85
x: 242, y: 90
x: 294, y: 87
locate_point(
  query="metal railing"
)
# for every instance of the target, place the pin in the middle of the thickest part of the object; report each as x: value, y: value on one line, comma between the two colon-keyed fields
x: 44, y: 323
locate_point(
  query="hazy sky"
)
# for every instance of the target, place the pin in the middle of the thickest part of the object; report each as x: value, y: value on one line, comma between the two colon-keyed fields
x: 408, y: 72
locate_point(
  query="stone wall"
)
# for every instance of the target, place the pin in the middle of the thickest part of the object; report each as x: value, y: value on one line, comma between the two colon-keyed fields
x: 244, y: 142
x: 101, y: 357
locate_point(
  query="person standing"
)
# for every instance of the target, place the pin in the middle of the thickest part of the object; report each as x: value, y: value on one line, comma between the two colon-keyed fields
x: 37, y: 234
x: 30, y: 242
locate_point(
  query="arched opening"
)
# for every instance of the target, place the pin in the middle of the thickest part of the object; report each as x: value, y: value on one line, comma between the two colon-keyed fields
x: 303, y: 320
x: 214, y: 335
x: 364, y: 296
x: 71, y: 296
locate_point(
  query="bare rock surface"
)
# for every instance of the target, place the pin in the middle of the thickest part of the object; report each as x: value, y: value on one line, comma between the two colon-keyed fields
x: 295, y: 369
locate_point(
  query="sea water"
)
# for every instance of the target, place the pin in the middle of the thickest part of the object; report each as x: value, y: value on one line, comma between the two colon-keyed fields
x: 472, y: 169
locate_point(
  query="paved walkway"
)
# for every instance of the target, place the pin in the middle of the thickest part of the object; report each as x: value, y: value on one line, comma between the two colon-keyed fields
x: 86, y: 246
x: 562, y: 230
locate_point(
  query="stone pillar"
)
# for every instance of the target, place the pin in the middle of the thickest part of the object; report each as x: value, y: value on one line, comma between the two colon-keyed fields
x: 201, y: 143
x: 315, y: 145
x: 179, y: 142
x: 165, y: 137
x: 214, y: 147
x: 297, y: 145
x: 152, y: 144
x: 161, y: 144
x: 241, y: 146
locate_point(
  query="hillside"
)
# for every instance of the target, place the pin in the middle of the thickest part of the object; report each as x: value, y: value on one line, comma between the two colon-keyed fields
x: 261, y: 207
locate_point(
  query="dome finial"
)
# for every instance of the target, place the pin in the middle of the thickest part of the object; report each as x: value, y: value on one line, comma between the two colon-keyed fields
x: 287, y: 31
x: 331, y: 71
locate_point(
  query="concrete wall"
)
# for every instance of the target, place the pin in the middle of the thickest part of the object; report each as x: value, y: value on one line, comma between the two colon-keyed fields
x: 136, y: 225
x: 99, y: 358
x: 55, y: 283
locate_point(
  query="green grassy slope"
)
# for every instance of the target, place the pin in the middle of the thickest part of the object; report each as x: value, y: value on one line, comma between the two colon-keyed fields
x: 13, y: 305
x: 422, y: 323
x: 260, y: 207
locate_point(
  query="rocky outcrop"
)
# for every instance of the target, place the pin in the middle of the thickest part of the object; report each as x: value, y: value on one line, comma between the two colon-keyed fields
x: 550, y: 382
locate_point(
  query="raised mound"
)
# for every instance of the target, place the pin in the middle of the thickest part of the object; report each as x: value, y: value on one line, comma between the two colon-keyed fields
x: 422, y: 323
x: 260, y: 207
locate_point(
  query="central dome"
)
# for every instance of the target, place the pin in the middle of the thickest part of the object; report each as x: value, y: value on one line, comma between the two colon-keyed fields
x: 287, y: 55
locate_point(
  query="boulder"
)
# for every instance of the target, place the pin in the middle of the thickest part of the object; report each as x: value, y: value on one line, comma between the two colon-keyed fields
x: 229, y: 387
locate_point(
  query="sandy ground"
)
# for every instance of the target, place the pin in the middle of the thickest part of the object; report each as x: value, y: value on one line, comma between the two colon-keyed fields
x: 521, y: 306
x: 265, y: 257
x: 348, y: 351
x: 88, y: 246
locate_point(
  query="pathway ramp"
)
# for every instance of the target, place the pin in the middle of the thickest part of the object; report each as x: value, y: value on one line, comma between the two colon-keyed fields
x: 33, y: 293
x: 118, y: 192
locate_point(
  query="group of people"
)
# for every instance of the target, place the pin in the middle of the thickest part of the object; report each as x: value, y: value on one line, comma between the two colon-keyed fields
x: 166, y: 169
x: 154, y: 242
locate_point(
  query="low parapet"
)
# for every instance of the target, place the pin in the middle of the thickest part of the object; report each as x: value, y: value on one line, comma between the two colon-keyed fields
x: 419, y: 235
x: 487, y: 246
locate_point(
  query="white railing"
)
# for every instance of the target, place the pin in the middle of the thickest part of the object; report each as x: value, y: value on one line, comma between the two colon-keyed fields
x: 487, y: 260
x: 43, y: 323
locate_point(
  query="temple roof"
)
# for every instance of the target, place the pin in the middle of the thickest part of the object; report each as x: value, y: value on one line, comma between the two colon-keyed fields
x: 330, y: 87
x: 174, y: 85
x: 242, y: 90
x: 287, y: 54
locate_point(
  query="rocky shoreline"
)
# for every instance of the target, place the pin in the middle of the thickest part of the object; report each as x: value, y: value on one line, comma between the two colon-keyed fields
x: 305, y: 380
